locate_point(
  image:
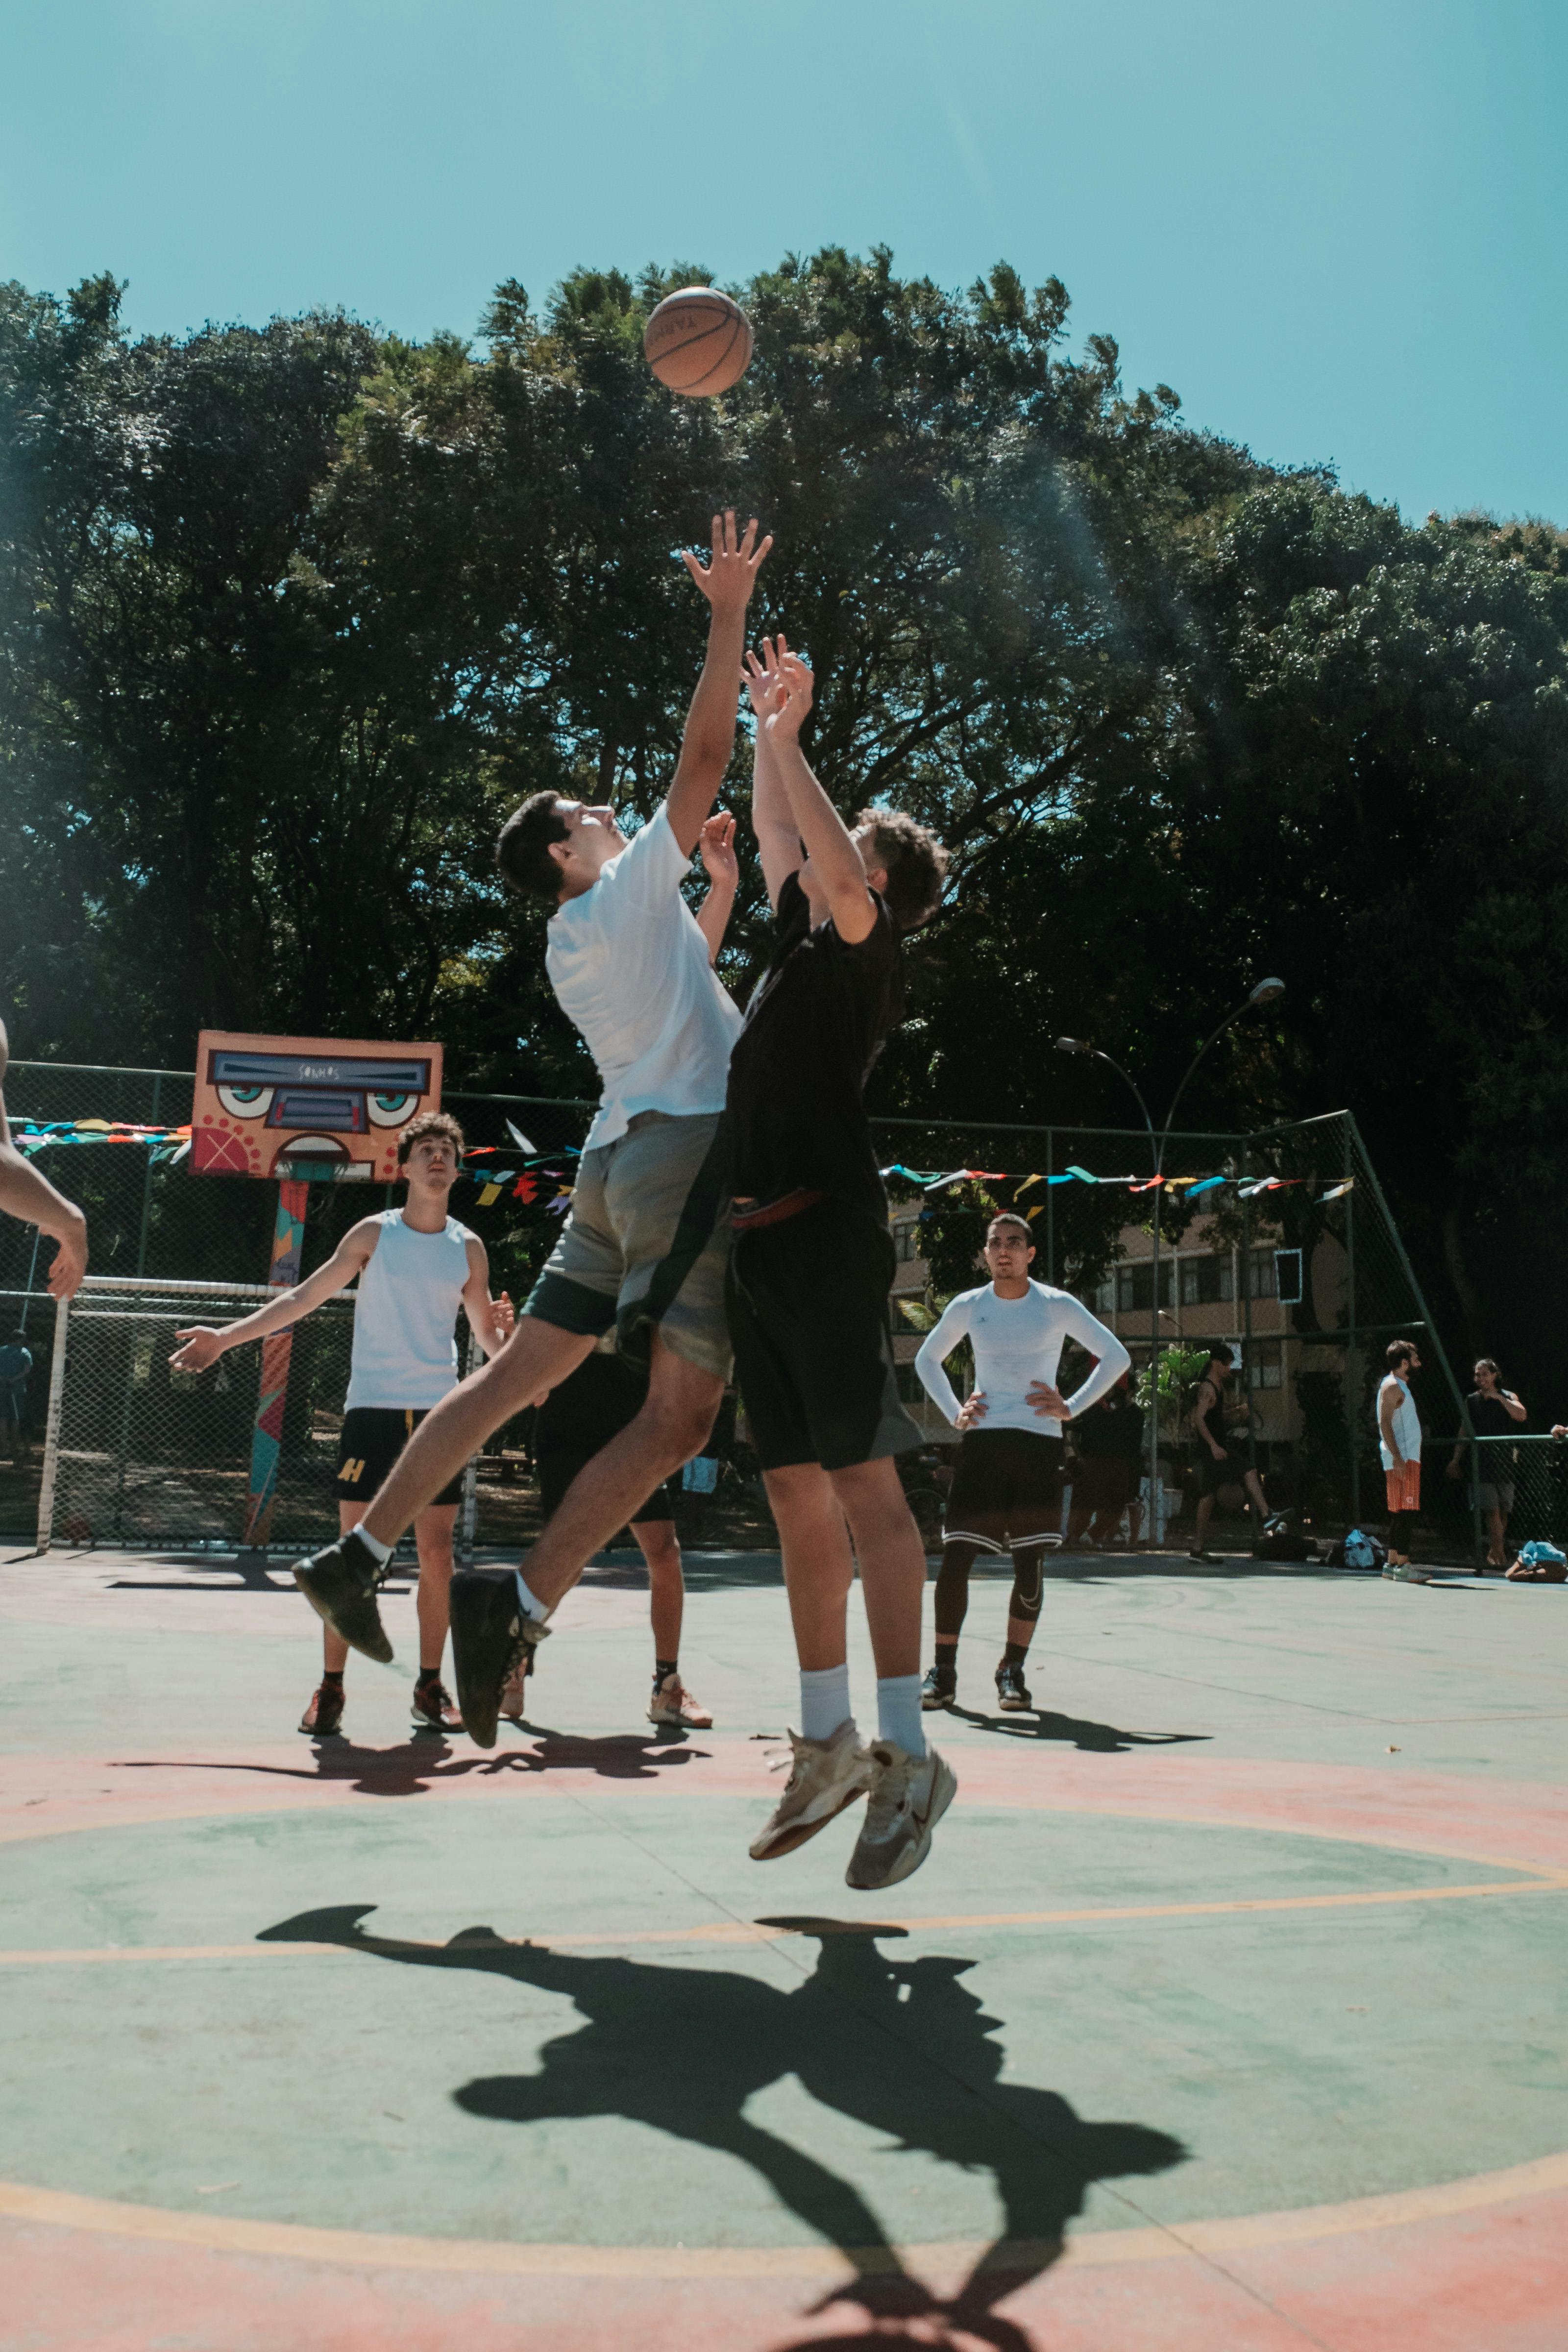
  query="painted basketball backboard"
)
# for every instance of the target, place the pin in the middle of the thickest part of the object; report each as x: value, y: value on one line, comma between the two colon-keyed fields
x: 324, y: 1109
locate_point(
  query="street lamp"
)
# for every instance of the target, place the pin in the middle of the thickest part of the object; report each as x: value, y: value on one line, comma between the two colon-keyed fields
x: 1266, y: 991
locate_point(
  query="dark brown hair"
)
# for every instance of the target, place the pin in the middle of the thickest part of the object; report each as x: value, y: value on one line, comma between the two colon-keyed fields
x: 430, y: 1122
x: 1397, y: 1352
x: 916, y: 866
x: 522, y: 850
x: 1010, y: 1217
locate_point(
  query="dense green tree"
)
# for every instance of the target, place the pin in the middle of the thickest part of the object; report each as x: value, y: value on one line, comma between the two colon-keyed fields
x: 289, y: 617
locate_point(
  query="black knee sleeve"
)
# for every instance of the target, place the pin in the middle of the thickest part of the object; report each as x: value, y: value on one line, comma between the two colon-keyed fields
x: 953, y: 1587
x: 1028, y: 1581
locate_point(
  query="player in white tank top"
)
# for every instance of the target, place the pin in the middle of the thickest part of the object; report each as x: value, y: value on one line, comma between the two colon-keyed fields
x: 417, y: 1267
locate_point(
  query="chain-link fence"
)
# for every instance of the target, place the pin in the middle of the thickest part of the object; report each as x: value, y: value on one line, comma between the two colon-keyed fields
x: 1523, y: 1481
x: 1280, y: 1243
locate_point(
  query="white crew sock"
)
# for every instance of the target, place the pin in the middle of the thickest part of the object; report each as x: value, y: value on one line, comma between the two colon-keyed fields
x: 824, y: 1701
x: 528, y: 1602
x: 381, y: 1553
x: 898, y: 1713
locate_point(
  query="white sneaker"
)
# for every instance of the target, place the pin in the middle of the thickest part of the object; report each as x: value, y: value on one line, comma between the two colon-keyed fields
x: 1404, y: 1572
x: 825, y: 1775
x: 673, y: 1703
x: 908, y: 1796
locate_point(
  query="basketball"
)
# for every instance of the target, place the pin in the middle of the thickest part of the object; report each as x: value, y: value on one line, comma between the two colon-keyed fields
x: 697, y: 342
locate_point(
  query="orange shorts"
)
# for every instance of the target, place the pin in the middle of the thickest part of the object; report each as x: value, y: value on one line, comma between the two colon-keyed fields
x: 1404, y: 1487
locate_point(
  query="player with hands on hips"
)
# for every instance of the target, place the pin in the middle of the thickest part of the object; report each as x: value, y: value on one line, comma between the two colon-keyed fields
x: 1006, y: 1493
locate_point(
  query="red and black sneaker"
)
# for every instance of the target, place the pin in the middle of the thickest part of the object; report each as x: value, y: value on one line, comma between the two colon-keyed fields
x: 325, y: 1713
x: 432, y: 1709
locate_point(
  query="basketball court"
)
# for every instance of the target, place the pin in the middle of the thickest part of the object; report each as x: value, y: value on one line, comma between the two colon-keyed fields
x: 1228, y: 2009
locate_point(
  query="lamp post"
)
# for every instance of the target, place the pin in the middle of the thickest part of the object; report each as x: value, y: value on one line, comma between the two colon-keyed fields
x: 1265, y: 993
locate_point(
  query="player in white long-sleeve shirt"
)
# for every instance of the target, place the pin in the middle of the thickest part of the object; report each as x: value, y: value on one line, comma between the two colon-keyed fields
x: 1006, y: 1495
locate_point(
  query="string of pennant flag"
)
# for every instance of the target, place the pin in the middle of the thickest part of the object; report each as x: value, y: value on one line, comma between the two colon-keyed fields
x: 543, y: 1179
x: 1247, y: 1188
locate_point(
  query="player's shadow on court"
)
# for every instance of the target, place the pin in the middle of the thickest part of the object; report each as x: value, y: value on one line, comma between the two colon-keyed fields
x: 1095, y: 1739
x: 427, y: 1757
x: 903, y: 2048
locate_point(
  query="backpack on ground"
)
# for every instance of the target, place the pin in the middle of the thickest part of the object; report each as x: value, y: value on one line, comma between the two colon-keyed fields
x: 1355, y: 1550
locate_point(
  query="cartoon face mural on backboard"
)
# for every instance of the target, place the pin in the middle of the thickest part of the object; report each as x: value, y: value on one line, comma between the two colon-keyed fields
x: 325, y: 1107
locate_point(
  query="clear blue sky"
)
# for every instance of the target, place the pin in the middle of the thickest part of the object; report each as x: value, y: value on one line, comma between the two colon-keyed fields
x: 1338, y: 227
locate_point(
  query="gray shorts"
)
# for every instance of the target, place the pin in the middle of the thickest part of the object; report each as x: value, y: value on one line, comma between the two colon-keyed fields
x: 646, y: 1245
x: 1495, y: 1496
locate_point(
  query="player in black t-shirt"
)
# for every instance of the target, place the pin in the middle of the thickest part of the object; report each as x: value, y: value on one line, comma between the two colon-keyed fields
x: 809, y: 1278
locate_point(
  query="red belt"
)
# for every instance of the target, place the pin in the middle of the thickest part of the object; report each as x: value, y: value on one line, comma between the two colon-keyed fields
x: 773, y: 1212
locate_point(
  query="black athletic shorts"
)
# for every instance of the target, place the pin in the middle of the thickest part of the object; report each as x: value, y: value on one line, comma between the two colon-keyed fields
x: 1212, y: 1474
x: 556, y: 1467
x: 373, y: 1437
x: 808, y: 1302
x: 577, y: 1421
x: 1006, y: 1489
x: 1106, y: 1484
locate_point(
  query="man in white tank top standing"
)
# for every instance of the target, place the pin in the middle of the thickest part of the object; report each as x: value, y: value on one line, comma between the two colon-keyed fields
x: 416, y: 1266
x: 1399, y: 1444
x: 1006, y: 1494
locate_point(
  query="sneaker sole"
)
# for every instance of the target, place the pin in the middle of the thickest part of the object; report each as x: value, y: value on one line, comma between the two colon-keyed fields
x: 799, y: 1832
x: 683, y: 1722
x: 947, y: 1789
x: 370, y: 1642
x: 932, y: 1705
x: 478, y: 1703
x: 1016, y: 1705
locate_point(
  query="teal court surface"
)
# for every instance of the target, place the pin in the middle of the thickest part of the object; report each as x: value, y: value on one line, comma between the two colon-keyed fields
x: 1227, y: 2015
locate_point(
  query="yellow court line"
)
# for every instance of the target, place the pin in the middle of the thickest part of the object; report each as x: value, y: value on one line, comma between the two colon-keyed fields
x: 742, y: 1931
x: 369, y: 2250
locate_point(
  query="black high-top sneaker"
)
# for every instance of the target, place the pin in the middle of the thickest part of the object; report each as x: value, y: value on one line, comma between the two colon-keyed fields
x: 341, y: 1585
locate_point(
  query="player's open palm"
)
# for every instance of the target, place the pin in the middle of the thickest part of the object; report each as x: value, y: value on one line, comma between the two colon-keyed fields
x: 763, y: 682
x: 728, y: 577
x: 717, y: 842
x: 203, y: 1346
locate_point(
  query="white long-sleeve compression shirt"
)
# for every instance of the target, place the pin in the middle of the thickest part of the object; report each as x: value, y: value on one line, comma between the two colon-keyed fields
x: 1017, y: 1341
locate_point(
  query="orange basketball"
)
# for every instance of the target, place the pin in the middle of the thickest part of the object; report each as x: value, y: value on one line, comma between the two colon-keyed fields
x: 697, y: 342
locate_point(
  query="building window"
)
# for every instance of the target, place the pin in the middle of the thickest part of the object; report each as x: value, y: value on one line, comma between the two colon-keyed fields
x: 1102, y: 1297
x: 1262, y: 1276
x: 1207, y: 1281
x: 1136, y: 1287
x: 907, y: 1241
x: 1265, y: 1365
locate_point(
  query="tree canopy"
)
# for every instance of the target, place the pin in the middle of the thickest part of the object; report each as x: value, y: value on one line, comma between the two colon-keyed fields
x: 291, y: 617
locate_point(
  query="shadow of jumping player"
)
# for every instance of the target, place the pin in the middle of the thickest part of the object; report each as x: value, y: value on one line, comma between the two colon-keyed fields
x: 904, y: 2049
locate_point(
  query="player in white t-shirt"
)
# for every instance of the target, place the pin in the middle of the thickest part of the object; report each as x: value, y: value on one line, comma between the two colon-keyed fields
x: 643, y: 1251
x: 1006, y: 1493
x: 417, y: 1267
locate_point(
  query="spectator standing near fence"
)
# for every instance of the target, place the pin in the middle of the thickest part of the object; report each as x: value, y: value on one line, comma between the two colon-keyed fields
x: 1399, y: 1443
x: 1494, y: 1411
x: 1109, y: 1439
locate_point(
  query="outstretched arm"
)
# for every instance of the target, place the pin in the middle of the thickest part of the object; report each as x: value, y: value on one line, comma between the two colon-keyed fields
x: 203, y: 1344
x: 772, y: 820
x: 25, y: 1194
x: 723, y: 867
x: 710, y: 737
x: 829, y: 844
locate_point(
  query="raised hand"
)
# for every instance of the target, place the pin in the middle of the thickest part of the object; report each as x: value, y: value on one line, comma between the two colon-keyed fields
x: 203, y: 1346
x: 763, y: 676
x: 69, y: 1264
x: 730, y: 575
x: 790, y: 698
x: 717, y: 842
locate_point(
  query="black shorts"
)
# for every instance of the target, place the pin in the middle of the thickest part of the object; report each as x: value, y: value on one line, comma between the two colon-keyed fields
x: 577, y: 1421
x: 373, y: 1437
x: 1212, y: 1474
x: 1108, y: 1483
x: 1006, y: 1489
x: 808, y: 1302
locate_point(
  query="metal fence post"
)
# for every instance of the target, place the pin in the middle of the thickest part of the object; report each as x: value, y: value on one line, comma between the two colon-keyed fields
x: 147, y: 1181
x: 1352, y: 1358
x: 52, y: 1428
x: 1050, y: 1205
x: 1246, y: 1307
